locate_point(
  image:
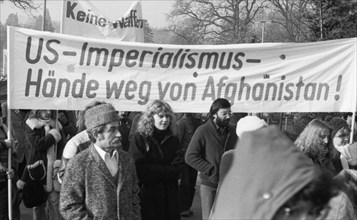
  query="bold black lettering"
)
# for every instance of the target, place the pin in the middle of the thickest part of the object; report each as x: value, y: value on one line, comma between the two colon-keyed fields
x: 70, y: 7
x: 239, y: 61
x: 53, y: 51
x: 28, y: 48
x: 37, y: 83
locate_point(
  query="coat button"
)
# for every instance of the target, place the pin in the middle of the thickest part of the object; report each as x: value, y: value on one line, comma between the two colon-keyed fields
x: 266, y: 195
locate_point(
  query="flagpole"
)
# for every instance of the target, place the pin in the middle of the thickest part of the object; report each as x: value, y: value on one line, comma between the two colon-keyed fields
x: 62, y: 14
x: 9, y: 126
x: 352, y: 126
x: 44, y: 16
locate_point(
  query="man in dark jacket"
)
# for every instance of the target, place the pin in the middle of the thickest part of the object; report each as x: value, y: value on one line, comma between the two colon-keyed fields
x: 206, y: 148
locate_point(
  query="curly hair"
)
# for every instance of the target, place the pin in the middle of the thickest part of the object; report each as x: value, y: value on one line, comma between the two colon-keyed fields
x: 308, y: 140
x: 146, y: 122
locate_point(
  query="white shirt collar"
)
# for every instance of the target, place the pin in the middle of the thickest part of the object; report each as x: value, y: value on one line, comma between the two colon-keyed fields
x: 102, y: 153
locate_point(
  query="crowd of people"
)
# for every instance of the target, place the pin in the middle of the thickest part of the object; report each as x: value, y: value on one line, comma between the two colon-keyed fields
x: 99, y: 163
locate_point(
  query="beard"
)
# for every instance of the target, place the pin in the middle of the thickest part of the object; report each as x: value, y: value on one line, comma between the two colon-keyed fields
x: 222, y: 122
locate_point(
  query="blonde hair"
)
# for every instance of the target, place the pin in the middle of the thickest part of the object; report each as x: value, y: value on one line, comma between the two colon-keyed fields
x: 146, y: 122
x: 308, y: 140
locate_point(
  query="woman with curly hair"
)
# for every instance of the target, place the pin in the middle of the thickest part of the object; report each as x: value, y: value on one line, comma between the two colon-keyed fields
x: 316, y: 142
x: 158, y: 159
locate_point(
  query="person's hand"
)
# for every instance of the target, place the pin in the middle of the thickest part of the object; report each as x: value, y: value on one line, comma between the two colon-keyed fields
x: 10, y: 174
x: 62, y: 118
x: 8, y: 143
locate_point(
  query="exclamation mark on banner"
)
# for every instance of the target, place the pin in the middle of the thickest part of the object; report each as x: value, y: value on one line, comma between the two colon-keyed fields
x: 338, y: 88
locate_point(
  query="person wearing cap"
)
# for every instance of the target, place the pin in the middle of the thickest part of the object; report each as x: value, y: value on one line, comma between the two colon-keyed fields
x: 271, y: 179
x: 206, y: 148
x: 245, y: 124
x: 341, y: 157
x: 100, y: 182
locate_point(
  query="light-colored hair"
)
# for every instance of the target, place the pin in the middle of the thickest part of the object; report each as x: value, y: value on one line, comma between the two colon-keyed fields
x: 146, y: 122
x: 308, y: 140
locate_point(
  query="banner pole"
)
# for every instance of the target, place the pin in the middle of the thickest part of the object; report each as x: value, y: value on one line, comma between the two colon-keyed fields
x: 352, y: 126
x: 44, y: 16
x: 9, y: 126
x: 62, y: 14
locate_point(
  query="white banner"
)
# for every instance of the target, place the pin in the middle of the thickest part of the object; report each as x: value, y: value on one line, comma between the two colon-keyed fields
x: 57, y: 71
x: 82, y: 18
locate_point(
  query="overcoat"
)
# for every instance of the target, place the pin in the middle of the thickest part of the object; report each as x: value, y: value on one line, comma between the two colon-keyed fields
x: 158, y: 165
x: 89, y: 191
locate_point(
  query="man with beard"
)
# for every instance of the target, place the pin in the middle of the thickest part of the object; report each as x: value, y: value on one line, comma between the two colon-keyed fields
x: 100, y: 182
x: 206, y: 148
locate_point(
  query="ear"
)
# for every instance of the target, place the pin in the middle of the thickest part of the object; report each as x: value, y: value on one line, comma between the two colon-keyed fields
x: 97, y: 136
x: 214, y: 115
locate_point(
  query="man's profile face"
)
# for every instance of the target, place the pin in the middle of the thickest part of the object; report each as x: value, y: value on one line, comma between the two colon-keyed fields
x: 110, y: 138
x: 222, y: 116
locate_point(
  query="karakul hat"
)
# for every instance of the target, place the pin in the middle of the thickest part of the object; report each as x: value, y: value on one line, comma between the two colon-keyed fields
x: 249, y: 123
x: 100, y: 115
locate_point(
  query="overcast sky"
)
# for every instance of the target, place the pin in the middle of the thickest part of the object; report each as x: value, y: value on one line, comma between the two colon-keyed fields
x: 154, y: 11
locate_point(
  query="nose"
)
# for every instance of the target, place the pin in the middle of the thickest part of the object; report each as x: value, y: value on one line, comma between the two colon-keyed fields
x: 117, y: 133
x: 325, y: 140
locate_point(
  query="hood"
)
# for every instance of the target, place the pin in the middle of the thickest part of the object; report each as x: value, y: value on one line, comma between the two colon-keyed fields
x: 267, y: 170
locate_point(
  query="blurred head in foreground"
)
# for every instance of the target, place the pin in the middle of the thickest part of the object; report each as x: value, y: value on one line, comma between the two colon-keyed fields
x: 271, y: 179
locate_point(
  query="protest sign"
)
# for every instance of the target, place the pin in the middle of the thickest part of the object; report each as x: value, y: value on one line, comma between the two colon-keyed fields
x: 82, y: 18
x: 57, y: 71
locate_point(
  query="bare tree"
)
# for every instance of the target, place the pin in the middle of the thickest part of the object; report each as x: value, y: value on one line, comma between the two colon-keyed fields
x: 218, y: 21
x: 291, y: 15
x: 24, y: 4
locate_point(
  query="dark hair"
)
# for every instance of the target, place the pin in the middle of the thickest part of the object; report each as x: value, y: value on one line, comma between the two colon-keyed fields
x: 319, y: 192
x: 336, y: 124
x: 218, y: 104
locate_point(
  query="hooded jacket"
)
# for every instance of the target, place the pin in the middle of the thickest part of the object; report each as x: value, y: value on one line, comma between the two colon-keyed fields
x: 267, y: 170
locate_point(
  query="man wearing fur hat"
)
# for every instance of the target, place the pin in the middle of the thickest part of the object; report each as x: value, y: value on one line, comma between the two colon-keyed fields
x: 100, y: 182
x: 206, y: 148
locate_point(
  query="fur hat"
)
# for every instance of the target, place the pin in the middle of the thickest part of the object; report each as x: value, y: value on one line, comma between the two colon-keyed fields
x: 249, y: 123
x: 336, y: 124
x: 100, y: 115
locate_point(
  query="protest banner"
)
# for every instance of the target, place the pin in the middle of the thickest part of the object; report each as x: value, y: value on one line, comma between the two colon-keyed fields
x: 58, y: 71
x: 82, y: 18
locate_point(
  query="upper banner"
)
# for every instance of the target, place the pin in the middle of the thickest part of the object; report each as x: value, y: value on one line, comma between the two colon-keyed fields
x: 82, y: 18
x: 57, y: 71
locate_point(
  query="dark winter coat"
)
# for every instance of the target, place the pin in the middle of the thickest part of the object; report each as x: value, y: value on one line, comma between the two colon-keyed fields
x: 185, y: 128
x: 205, y: 151
x: 38, y: 142
x: 158, y: 165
